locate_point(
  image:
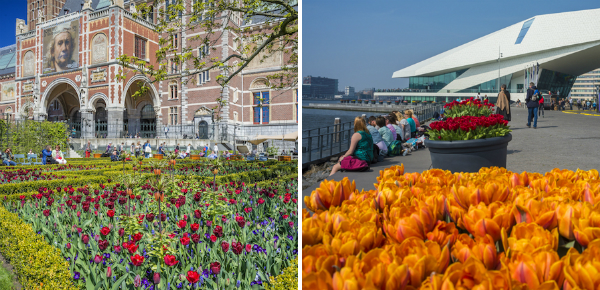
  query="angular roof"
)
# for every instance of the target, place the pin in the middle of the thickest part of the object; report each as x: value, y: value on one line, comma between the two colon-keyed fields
x: 7, y: 59
x: 551, y: 36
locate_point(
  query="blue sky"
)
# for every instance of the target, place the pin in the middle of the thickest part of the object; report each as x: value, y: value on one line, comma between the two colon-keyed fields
x: 9, y: 12
x: 362, y: 43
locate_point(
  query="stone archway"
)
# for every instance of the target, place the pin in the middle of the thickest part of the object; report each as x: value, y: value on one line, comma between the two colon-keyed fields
x: 141, y: 115
x: 61, y: 103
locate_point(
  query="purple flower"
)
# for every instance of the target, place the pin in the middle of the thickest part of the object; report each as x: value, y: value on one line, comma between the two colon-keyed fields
x: 76, y: 275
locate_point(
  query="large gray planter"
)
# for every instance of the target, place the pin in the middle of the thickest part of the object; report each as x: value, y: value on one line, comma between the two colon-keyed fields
x: 469, y: 155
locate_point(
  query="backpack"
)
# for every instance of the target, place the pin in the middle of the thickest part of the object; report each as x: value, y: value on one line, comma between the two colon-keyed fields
x: 534, y: 97
x: 395, y: 148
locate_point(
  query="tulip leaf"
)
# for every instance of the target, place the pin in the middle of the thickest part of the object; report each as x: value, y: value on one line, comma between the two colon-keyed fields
x: 569, y: 244
x: 117, y: 284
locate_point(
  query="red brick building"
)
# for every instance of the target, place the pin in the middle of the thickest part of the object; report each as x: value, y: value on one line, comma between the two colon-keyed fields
x: 65, y: 67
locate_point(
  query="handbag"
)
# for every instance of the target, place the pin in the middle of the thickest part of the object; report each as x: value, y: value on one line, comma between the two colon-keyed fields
x: 351, y: 163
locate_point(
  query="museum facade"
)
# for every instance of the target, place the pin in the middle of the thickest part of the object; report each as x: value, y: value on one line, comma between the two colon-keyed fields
x: 65, y: 70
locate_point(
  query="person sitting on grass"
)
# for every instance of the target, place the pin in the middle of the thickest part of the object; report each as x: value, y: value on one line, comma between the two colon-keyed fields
x: 359, y: 155
x: 58, y: 155
x: 7, y: 158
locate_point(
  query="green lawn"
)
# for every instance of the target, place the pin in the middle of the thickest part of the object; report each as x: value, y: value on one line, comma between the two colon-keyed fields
x: 6, y: 279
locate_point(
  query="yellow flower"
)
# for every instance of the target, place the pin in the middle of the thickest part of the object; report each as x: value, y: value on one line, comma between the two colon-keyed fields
x: 330, y: 193
x: 530, y: 237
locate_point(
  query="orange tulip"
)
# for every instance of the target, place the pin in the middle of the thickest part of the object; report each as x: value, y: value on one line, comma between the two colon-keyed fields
x: 483, y: 220
x: 473, y: 275
x: 443, y: 233
x: 582, y: 271
x: 330, y: 193
x: 535, y: 269
x: 312, y: 231
x: 530, y: 237
x: 403, y: 221
x: 319, y: 258
x: 534, y: 211
x: 482, y: 249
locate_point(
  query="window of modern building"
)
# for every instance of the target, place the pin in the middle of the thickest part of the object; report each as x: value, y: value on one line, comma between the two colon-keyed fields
x: 173, y: 90
x: 434, y: 83
x: 140, y: 47
x: 173, y: 116
x: 524, y: 30
x: 261, y: 108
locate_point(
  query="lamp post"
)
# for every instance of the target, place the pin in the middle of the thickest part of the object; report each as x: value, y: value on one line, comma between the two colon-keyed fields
x: 235, y: 128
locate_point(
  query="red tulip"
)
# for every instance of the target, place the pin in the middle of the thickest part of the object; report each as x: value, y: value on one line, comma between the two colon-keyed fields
x: 185, y: 241
x: 170, y: 260
x: 102, y: 244
x: 225, y: 246
x: 213, y: 238
x: 105, y: 231
x: 193, y: 277
x: 98, y: 259
x: 68, y: 245
x: 121, y: 232
x: 195, y: 238
x: 117, y: 249
x: 156, y: 278
x: 237, y: 247
x: 197, y: 214
x: 110, y: 213
x: 215, y: 267
x: 137, y: 260
x: 46, y: 212
x: 137, y: 237
x: 218, y: 231
x: 108, y: 272
x: 181, y: 224
x: 85, y: 239
x: 132, y: 248
x: 261, y: 201
x: 194, y: 227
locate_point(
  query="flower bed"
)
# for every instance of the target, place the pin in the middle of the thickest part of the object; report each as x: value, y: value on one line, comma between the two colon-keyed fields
x: 469, y: 128
x: 494, y: 229
x: 112, y: 233
x: 470, y: 107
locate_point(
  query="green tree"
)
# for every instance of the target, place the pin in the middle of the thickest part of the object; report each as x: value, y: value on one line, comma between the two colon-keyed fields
x: 277, y: 34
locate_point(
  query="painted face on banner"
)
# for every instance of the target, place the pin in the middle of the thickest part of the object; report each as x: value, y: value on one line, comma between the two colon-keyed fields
x: 63, y: 50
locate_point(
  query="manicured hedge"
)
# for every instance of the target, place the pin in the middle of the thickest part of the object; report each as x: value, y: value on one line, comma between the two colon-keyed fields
x: 16, y: 188
x: 37, y: 264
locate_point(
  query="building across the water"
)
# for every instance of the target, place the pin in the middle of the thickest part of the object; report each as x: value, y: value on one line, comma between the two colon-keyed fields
x: 64, y: 63
x: 550, y: 50
x: 319, y: 87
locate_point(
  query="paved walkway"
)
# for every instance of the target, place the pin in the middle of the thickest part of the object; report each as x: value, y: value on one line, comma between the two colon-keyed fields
x: 562, y: 140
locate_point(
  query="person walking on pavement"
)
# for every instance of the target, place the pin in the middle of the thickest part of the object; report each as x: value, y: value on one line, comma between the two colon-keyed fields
x: 532, y: 105
x: 166, y: 131
x: 541, y: 109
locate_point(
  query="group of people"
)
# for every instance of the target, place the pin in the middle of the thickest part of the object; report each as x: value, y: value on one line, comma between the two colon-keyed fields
x: 375, y: 138
x: 586, y: 105
x: 49, y: 156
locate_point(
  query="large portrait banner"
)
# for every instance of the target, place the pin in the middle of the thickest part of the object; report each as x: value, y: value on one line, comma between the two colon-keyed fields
x: 61, y: 47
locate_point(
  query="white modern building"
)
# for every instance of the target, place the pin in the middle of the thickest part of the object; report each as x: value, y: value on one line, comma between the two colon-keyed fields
x: 564, y: 45
x: 586, y: 86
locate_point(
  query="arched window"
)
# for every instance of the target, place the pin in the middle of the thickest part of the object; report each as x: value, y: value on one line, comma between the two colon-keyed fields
x: 148, y: 112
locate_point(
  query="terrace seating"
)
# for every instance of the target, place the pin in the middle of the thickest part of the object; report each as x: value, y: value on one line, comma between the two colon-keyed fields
x: 21, y: 160
x: 34, y: 159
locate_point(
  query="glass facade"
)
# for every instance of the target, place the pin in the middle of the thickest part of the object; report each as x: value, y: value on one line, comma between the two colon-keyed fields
x: 524, y: 30
x: 489, y: 86
x: 556, y: 81
x: 435, y: 83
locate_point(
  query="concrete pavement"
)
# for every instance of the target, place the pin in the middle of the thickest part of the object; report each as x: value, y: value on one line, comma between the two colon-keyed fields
x: 562, y: 140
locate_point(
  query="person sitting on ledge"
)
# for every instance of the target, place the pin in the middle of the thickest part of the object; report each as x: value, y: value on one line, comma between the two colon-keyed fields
x: 385, y: 132
x: 47, y: 156
x: 377, y: 139
x: 360, y: 154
